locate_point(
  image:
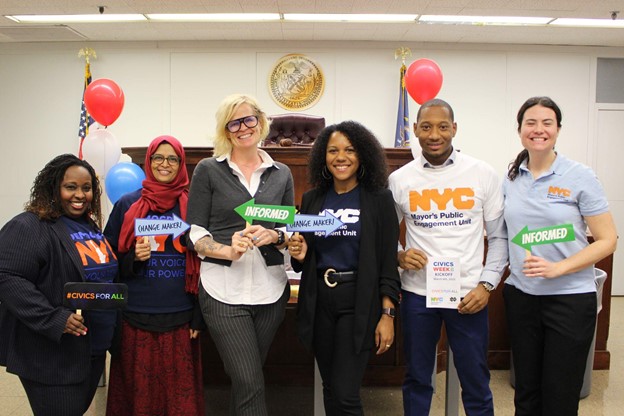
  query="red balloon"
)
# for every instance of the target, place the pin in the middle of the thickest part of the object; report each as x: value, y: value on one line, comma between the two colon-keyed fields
x: 423, y: 80
x: 104, y: 100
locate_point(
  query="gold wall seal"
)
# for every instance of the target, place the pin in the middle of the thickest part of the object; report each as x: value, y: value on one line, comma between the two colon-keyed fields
x: 296, y: 82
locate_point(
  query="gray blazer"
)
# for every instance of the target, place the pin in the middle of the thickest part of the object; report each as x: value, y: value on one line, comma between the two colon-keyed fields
x: 215, y: 192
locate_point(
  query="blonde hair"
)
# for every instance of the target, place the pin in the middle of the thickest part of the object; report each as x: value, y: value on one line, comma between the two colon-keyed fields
x: 222, y: 143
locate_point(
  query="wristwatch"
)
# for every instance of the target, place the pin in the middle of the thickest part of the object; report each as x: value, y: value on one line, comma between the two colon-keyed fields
x: 389, y: 311
x: 281, y: 237
x: 487, y: 285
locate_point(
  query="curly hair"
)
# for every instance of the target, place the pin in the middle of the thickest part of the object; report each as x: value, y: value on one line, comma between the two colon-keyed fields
x: 373, y: 172
x: 222, y: 142
x: 45, y: 194
x: 514, y: 166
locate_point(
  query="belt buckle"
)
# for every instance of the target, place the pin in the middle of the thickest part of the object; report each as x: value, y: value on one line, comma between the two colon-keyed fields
x: 326, y: 275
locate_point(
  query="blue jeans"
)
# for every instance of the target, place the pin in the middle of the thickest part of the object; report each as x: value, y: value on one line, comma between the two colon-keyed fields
x: 467, y: 337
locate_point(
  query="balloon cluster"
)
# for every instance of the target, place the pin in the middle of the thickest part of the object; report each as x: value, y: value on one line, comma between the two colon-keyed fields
x: 104, y: 100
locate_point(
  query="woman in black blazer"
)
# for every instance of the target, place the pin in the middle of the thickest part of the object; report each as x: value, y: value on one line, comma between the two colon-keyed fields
x: 58, y: 355
x: 350, y: 283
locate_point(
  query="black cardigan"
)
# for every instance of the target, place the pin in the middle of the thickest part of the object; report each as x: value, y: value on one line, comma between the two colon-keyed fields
x: 378, y: 273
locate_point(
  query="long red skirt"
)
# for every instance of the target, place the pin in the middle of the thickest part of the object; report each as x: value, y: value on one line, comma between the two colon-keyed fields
x: 156, y: 374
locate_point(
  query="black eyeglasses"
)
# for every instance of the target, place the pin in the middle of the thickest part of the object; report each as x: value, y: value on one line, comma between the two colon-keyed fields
x: 235, y: 125
x: 159, y: 159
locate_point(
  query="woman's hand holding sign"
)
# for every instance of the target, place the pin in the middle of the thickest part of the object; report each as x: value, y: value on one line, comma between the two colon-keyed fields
x: 142, y: 249
x: 297, y: 247
x: 75, y: 326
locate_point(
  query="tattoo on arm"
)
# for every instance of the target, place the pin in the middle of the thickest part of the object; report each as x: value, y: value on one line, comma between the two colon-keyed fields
x: 207, y: 245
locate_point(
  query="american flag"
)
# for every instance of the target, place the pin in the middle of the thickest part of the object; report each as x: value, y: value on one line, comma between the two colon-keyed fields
x: 85, y: 118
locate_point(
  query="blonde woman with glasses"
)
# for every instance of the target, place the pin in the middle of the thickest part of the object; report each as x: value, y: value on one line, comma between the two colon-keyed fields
x: 244, y: 290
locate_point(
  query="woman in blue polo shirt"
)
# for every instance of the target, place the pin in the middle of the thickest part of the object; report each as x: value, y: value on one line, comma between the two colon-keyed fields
x: 550, y: 294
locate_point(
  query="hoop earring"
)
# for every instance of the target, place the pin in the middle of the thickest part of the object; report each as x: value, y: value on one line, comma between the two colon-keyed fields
x: 325, y: 173
x: 361, y: 171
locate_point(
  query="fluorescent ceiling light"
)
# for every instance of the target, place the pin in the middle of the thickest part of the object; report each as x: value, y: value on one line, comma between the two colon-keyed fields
x: 485, y: 20
x: 74, y: 18
x: 215, y: 17
x: 369, y: 18
x: 588, y: 23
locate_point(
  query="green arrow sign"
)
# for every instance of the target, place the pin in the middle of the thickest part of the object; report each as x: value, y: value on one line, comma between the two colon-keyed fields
x: 272, y: 213
x: 546, y: 235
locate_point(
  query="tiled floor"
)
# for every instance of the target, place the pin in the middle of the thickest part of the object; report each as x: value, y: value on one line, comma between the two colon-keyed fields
x: 606, y: 398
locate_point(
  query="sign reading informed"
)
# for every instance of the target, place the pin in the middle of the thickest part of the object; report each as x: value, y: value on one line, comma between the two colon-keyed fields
x: 272, y: 213
x: 547, y: 235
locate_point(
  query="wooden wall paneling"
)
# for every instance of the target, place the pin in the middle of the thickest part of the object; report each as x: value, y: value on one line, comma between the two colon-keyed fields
x: 289, y: 363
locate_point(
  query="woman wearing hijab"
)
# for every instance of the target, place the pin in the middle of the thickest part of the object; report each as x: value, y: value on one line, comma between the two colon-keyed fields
x: 158, y: 367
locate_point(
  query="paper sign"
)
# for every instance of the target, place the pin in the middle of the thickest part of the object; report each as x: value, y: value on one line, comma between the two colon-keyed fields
x: 443, y: 282
x: 547, y: 235
x: 84, y: 295
x: 148, y: 226
x: 273, y: 213
x: 326, y: 223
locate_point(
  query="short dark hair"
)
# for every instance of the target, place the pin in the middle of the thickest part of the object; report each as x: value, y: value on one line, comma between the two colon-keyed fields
x: 436, y: 102
x: 45, y: 194
x: 370, y: 154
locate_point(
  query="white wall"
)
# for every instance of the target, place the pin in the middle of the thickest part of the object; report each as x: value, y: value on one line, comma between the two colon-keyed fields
x: 175, y: 87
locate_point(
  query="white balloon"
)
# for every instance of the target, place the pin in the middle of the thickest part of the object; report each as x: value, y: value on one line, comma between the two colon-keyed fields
x: 102, y: 150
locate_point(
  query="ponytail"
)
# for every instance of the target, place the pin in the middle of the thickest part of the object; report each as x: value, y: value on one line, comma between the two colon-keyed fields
x: 514, y: 167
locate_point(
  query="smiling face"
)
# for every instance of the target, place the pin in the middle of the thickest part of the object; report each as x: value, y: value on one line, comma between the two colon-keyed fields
x: 435, y: 130
x: 166, y: 171
x: 76, y: 191
x: 342, y: 161
x: 539, y: 130
x: 247, y: 136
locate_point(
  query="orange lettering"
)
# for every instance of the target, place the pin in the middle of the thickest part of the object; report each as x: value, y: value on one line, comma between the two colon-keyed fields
x: 555, y: 190
x: 178, y: 245
x: 94, y: 251
x: 461, y: 197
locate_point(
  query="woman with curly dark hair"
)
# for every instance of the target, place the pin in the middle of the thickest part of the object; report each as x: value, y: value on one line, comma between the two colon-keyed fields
x: 57, y: 240
x: 350, y: 283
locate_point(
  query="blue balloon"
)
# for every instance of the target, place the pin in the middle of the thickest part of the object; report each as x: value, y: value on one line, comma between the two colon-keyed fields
x: 122, y: 178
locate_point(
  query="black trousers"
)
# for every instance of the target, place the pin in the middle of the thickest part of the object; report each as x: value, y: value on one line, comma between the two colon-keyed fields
x: 64, y: 400
x: 550, y: 339
x: 341, y: 368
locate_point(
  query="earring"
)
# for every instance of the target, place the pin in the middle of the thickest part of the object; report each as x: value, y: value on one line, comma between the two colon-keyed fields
x: 325, y: 173
x: 361, y: 172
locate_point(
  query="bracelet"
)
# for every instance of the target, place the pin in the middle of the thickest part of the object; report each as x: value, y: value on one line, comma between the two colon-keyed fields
x: 281, y: 237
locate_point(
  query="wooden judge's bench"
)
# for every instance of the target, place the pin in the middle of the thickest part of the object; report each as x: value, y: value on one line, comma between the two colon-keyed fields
x: 289, y: 363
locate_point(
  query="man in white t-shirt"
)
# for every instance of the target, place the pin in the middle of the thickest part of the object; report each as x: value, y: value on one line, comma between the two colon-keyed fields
x: 447, y: 199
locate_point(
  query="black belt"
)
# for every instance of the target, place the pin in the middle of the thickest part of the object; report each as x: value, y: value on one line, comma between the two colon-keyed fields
x: 332, y: 277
